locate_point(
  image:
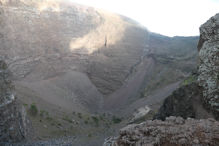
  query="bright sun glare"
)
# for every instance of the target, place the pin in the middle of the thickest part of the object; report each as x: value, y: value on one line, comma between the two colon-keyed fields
x: 167, y: 17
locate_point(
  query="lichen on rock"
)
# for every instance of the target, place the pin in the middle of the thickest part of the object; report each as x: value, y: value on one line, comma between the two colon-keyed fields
x: 209, y: 63
x: 175, y: 131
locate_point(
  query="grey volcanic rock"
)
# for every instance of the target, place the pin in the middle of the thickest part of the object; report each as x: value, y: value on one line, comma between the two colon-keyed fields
x: 180, y: 103
x: 186, y: 101
x: 172, y: 132
x: 6, y: 86
x: 209, y: 63
x: 13, y: 122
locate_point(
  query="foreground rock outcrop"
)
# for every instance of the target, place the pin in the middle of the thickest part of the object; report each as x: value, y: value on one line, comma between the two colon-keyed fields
x: 13, y: 122
x: 209, y: 63
x: 172, y: 132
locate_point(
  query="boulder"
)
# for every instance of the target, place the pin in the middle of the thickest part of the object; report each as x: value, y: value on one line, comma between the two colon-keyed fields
x: 13, y: 121
x: 209, y: 63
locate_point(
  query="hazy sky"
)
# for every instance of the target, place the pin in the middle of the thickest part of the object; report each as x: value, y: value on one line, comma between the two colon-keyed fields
x: 167, y: 17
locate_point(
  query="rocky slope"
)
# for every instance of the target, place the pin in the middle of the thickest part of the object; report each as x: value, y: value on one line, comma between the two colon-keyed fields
x: 13, y: 122
x: 172, y: 132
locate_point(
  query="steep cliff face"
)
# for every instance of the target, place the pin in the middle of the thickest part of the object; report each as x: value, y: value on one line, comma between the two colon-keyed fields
x: 209, y: 63
x: 13, y: 122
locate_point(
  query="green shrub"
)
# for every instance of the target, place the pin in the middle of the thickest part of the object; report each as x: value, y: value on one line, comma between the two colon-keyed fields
x: 66, y: 118
x: 116, y: 120
x: 142, y: 94
x: 96, y: 120
x: 80, y: 115
x: 189, y: 80
x: 33, y: 109
x: 86, y: 122
x: 44, y: 113
x: 101, y: 117
x: 49, y: 118
x: 26, y: 105
x: 41, y: 113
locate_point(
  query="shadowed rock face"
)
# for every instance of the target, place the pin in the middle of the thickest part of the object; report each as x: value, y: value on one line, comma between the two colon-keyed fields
x: 209, y: 63
x: 180, y: 103
x: 12, y: 117
x: 185, y: 102
x: 172, y: 132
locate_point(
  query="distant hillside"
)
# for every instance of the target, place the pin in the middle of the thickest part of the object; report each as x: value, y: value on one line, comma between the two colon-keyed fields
x: 175, y: 57
x: 168, y: 61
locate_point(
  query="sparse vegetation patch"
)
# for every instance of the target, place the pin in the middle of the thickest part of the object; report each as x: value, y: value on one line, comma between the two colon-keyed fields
x: 116, y: 120
x: 33, y: 109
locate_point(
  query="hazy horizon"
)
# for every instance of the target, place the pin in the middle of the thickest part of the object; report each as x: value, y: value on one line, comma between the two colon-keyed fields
x: 169, y: 17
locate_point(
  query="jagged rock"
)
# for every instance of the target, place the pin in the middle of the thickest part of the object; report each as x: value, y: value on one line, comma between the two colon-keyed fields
x: 185, y: 102
x: 209, y: 63
x: 13, y: 122
x: 179, y: 103
x: 175, y: 131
